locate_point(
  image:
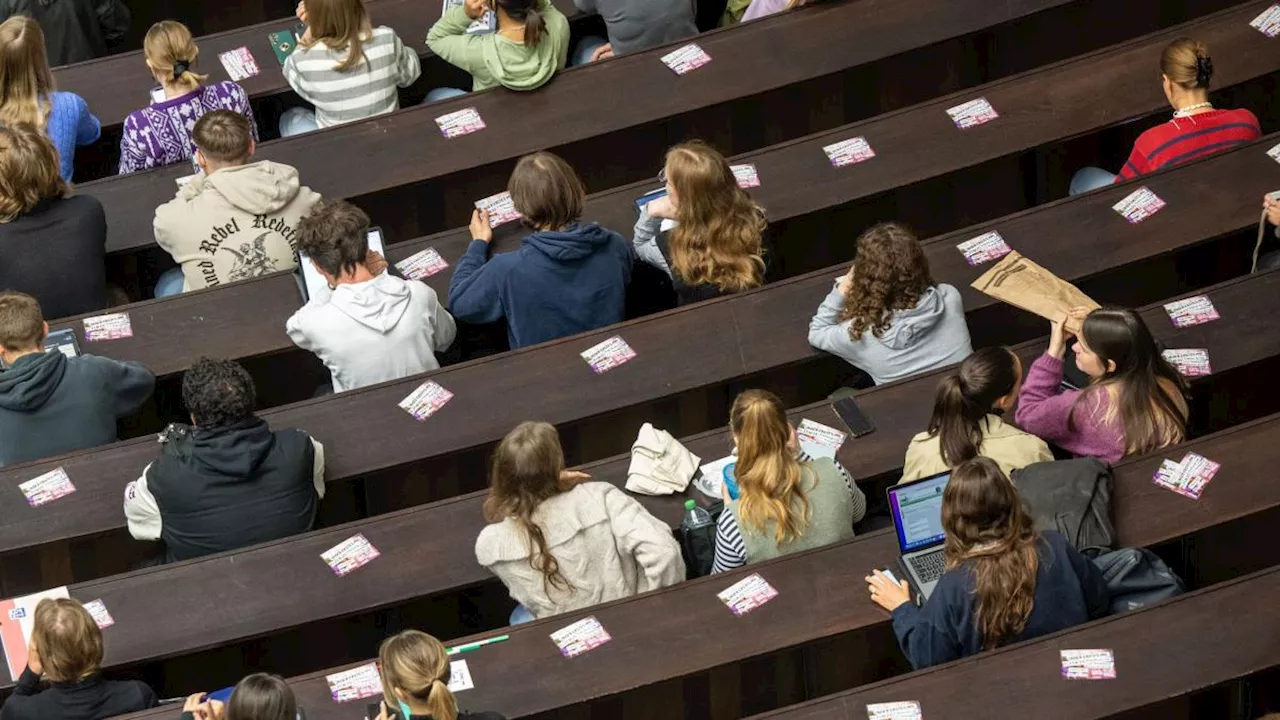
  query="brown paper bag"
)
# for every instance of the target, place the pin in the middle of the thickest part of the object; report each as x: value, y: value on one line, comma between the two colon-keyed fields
x: 1024, y: 284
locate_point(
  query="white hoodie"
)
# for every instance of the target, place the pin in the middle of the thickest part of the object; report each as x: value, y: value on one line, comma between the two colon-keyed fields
x: 371, y: 332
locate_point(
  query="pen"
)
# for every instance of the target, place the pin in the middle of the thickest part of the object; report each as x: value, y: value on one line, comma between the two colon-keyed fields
x: 477, y: 644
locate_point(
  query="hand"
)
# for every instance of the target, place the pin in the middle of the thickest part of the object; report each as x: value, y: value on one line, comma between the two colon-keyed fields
x: 1058, y: 337
x: 475, y: 8
x: 209, y: 710
x: 846, y: 282
x: 33, y: 660
x: 375, y: 263
x: 724, y: 492
x: 383, y: 712
x: 572, y: 477
x: 603, y: 52
x: 480, y: 229
x: 662, y: 208
x: 887, y: 593
x: 301, y: 11
x: 1273, y: 209
x: 194, y: 702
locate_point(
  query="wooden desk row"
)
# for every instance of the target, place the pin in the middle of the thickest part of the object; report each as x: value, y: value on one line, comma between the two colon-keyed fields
x: 428, y: 550
x: 685, y: 630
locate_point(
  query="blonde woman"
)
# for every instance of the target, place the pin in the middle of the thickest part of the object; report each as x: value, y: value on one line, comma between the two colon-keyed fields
x: 415, y: 680
x: 706, y: 233
x: 787, y: 501
x: 66, y: 650
x: 27, y: 93
x: 345, y: 67
x: 161, y: 134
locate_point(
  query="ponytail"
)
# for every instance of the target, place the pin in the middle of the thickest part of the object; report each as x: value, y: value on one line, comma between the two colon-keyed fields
x: 964, y: 400
x: 768, y: 473
x: 526, y: 11
x: 440, y: 701
x: 172, y: 52
x: 414, y: 668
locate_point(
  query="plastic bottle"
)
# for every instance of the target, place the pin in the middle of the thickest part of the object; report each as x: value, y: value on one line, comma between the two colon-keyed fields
x: 694, y: 516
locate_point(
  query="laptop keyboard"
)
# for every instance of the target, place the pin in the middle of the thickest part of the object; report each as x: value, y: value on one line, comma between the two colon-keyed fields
x: 928, y: 567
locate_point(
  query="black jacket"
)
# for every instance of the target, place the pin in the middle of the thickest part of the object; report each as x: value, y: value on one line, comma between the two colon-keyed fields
x: 55, y: 253
x: 217, y: 489
x: 89, y: 699
x: 51, y: 404
x: 74, y: 30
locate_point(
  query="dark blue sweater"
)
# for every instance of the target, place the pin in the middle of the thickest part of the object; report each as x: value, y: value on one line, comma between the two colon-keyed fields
x: 1069, y: 591
x: 556, y: 284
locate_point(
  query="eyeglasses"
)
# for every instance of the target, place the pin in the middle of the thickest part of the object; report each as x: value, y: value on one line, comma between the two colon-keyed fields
x: 662, y: 175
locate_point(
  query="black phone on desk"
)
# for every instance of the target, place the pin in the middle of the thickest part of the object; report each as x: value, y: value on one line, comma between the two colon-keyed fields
x: 856, y: 420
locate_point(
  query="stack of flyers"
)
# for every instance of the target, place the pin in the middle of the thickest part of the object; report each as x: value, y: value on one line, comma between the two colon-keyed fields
x: 461, y: 122
x: 422, y: 264
x: 351, y: 554
x: 501, y: 209
x: 1139, y: 205
x: 586, y: 634
x: 747, y: 594
x: 608, y: 355
x: 1274, y: 153
x: 113, y: 326
x: 1188, y: 476
x: 972, y: 113
x: 1190, y: 362
x: 99, y: 613
x: 47, y: 488
x: 849, y: 152
x: 1088, y: 665
x: 460, y: 676
x: 1191, y: 311
x: 1268, y: 23
x: 901, y: 710
x: 746, y: 175
x: 818, y: 440
x: 426, y: 400
x: 984, y: 248
x: 239, y: 63
x: 355, y: 684
x: 688, y: 58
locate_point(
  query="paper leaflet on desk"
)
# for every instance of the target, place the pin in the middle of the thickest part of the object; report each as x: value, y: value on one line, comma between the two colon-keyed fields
x: 901, y: 710
x: 818, y: 440
x: 1088, y: 664
x: 1024, y: 284
x: 17, y: 616
x: 1268, y: 23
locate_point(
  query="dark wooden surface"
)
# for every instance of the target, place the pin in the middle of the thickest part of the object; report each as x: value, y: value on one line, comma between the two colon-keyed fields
x: 820, y: 595
x: 1212, y: 636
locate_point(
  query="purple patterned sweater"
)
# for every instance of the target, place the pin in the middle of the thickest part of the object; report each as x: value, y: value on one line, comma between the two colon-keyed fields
x: 1045, y: 410
x: 161, y: 134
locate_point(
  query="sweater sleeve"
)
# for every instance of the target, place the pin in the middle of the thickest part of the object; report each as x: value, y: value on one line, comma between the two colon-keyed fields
x: 448, y: 38
x: 645, y: 240
x: 645, y: 538
x: 132, y: 156
x: 1097, y: 598
x: 474, y: 295
x: 408, y: 67
x: 28, y: 683
x: 88, y: 129
x: 294, y: 76
x: 923, y: 633
x: 1136, y: 164
x: 1043, y: 408
x: 731, y: 551
x: 859, y: 497
x: 827, y: 332
x: 317, y: 467
x: 445, y: 329
x: 141, y: 511
x: 132, y: 384
x: 242, y: 105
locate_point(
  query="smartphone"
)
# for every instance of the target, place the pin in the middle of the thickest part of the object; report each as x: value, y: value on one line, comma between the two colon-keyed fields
x: 853, y: 417
x: 282, y: 44
x: 372, y: 709
x: 157, y: 95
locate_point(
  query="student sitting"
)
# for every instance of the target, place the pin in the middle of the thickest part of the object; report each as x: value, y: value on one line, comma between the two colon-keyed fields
x: 567, y: 277
x: 259, y: 696
x: 51, y: 404
x: 530, y: 45
x: 636, y: 25
x: 225, y: 481
x: 373, y: 326
x: 1196, y: 130
x: 27, y: 94
x: 1135, y: 402
x: 161, y: 134
x: 415, y: 671
x: 236, y: 220
x: 966, y: 419
x: 66, y: 649
x: 712, y: 241
x: 887, y: 316
x: 787, y: 501
x: 343, y: 66
x: 77, y: 30
x: 560, y: 543
x: 1004, y: 581
x: 53, y: 243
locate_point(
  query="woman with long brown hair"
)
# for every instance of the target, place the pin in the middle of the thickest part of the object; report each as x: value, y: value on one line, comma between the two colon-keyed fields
x: 414, y: 667
x: 560, y: 542
x: 887, y: 316
x: 787, y: 501
x: 1003, y: 583
x: 260, y: 696
x: 706, y: 232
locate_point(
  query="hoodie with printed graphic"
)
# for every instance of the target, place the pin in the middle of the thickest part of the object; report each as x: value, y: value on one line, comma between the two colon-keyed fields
x: 235, y: 224
x: 494, y: 59
x: 374, y: 331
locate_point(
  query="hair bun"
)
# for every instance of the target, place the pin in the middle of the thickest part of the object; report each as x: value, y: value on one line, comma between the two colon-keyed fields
x: 1204, y: 70
x: 180, y: 68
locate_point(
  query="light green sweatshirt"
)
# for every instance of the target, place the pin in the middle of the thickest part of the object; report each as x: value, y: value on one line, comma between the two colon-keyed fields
x: 493, y: 60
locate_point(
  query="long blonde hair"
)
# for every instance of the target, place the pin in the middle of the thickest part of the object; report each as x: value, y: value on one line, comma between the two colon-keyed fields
x: 340, y: 25
x: 172, y: 52
x: 719, y: 236
x: 26, y: 81
x: 415, y: 666
x: 769, y: 476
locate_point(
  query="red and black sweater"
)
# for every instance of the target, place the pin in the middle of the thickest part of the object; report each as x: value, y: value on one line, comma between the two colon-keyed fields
x: 1182, y: 140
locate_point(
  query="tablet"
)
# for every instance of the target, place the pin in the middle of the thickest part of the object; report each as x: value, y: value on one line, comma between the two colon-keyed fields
x: 313, y: 284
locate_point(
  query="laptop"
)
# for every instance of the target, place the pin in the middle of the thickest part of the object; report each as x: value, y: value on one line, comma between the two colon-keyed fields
x: 63, y: 341
x: 917, y: 518
x: 312, y: 283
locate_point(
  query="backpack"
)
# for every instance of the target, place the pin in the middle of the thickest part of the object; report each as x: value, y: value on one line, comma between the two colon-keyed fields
x: 1072, y: 497
x: 1137, y: 577
x: 699, y: 544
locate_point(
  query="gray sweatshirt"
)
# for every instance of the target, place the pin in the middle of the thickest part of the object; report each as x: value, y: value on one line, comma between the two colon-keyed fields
x: 926, y: 337
x: 636, y: 25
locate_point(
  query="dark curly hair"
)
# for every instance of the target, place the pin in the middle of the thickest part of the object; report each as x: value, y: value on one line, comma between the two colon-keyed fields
x: 334, y: 236
x: 217, y: 393
x: 890, y: 272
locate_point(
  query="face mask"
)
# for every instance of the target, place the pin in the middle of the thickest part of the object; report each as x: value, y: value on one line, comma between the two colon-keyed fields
x: 404, y: 710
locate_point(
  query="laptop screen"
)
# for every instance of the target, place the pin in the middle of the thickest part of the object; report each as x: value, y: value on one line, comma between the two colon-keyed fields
x: 917, y: 512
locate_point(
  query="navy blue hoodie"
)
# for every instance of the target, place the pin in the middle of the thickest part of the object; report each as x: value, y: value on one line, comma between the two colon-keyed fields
x: 556, y: 284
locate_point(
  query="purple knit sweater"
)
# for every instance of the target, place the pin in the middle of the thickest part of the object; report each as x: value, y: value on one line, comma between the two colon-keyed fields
x: 161, y: 134
x: 1045, y: 410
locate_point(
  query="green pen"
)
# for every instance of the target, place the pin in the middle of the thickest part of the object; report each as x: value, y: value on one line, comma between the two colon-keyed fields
x: 477, y: 644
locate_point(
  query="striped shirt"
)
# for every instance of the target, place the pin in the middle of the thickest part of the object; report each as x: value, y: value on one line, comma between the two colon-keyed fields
x: 1185, y: 139
x: 365, y: 90
x: 731, y: 550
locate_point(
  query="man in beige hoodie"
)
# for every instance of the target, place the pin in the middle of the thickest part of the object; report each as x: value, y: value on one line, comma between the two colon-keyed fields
x: 237, y: 219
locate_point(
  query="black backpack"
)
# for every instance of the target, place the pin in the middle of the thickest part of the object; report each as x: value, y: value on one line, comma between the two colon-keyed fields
x: 1072, y: 497
x: 1137, y: 577
x: 699, y: 544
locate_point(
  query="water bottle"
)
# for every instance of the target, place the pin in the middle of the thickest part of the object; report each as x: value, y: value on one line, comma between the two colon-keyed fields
x: 698, y: 539
x: 695, y: 517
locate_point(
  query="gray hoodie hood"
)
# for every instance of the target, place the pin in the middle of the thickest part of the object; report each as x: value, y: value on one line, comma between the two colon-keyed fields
x: 259, y: 188
x: 913, y: 325
x: 377, y: 304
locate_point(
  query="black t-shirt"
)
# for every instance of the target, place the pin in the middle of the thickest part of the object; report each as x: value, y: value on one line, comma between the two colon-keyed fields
x: 88, y: 699
x: 56, y: 253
